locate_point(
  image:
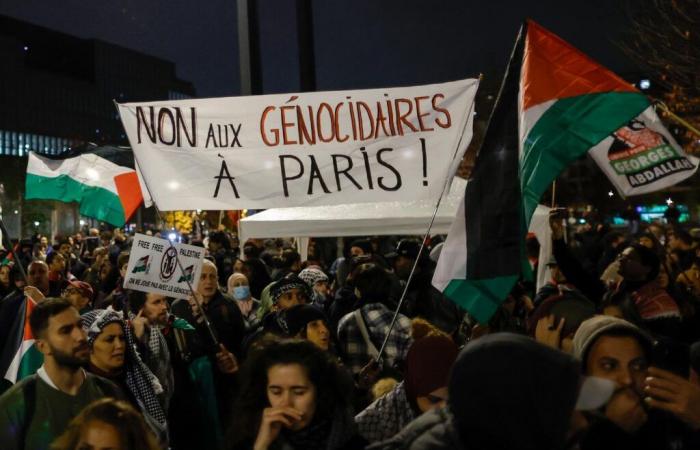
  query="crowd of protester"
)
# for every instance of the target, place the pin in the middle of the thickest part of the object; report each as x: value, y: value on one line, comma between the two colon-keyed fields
x: 276, y: 352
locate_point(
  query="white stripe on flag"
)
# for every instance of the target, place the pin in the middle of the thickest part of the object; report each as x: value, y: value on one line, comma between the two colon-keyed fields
x: 13, y: 370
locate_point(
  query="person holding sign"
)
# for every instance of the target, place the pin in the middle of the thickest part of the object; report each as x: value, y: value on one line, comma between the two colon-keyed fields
x: 228, y: 326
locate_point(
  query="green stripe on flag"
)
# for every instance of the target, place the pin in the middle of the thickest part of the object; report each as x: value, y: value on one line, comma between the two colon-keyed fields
x: 565, y: 132
x: 31, y: 361
x: 95, y: 202
x: 480, y: 297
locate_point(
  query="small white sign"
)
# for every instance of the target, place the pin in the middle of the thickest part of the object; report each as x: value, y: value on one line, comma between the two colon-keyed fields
x: 153, y: 267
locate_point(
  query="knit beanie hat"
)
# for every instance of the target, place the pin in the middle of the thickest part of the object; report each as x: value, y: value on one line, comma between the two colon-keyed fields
x: 312, y: 276
x: 295, y: 319
x: 428, y: 365
x: 595, y: 327
x: 288, y: 283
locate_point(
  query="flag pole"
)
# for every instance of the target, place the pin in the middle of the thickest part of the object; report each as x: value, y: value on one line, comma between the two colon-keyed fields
x: 683, y: 122
x: 10, y: 249
x: 444, y: 191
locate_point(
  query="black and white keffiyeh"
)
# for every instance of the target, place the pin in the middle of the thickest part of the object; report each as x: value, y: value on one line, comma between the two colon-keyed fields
x: 144, y: 386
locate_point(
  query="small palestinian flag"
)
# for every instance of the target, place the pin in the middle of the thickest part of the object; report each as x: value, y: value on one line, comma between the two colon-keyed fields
x: 141, y: 265
x: 187, y: 274
x: 20, y: 357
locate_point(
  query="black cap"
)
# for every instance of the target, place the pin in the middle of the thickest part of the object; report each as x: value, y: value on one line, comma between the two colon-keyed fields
x: 409, y: 248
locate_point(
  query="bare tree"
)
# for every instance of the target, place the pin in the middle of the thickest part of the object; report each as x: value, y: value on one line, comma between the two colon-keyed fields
x: 664, y: 37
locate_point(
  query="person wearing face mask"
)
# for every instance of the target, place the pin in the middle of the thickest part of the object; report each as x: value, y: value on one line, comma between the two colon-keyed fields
x: 239, y: 289
x: 318, y: 282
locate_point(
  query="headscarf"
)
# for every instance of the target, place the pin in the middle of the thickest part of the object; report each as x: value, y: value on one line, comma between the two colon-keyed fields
x: 311, y: 276
x: 142, y: 384
x: 288, y: 283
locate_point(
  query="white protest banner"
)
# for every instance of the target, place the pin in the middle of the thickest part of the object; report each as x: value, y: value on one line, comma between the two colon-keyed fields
x: 643, y: 157
x: 153, y: 267
x: 314, y: 148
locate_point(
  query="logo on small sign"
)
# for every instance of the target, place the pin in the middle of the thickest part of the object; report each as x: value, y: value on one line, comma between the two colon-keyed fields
x: 168, y: 264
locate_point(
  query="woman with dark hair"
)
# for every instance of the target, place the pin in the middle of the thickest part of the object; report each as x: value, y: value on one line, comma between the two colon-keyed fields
x: 294, y: 396
x: 107, y: 423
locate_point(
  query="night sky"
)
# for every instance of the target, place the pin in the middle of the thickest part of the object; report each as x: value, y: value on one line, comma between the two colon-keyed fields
x: 358, y: 43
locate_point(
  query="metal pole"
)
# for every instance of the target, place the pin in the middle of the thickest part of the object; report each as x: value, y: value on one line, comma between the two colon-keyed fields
x: 249, y: 48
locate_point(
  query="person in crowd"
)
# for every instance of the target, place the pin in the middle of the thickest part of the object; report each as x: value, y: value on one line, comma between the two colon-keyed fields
x: 113, y: 356
x: 92, y: 274
x: 507, y: 391
x: 556, y: 285
x: 617, y: 350
x: 220, y: 249
x: 305, y: 322
x: 294, y: 396
x: 148, y: 312
x: 108, y: 278
x: 79, y: 294
x: 362, y: 332
x: 318, y: 282
x: 107, y: 424
x: 74, y: 265
x: 223, y: 340
x: 428, y: 365
x: 184, y: 368
x: 39, y: 408
x: 256, y: 272
x: 6, y: 285
x: 289, y: 262
x: 225, y: 317
x: 57, y: 273
x: 37, y: 289
x: 422, y: 299
x: 283, y: 294
x: 556, y: 320
x: 239, y: 289
x: 639, y: 269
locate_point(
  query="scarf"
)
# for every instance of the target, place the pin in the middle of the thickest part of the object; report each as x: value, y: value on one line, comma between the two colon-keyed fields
x: 653, y: 302
x: 142, y: 384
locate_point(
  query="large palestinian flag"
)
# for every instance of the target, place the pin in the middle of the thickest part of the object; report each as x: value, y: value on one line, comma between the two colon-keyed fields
x: 555, y: 104
x: 105, y: 191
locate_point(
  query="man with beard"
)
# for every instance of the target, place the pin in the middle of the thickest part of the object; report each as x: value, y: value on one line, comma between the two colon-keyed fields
x: 39, y: 408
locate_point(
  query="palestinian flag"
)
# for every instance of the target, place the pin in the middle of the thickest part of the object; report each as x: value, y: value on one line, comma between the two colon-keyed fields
x: 141, y: 265
x: 187, y: 274
x: 20, y: 358
x: 554, y: 105
x: 105, y: 191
